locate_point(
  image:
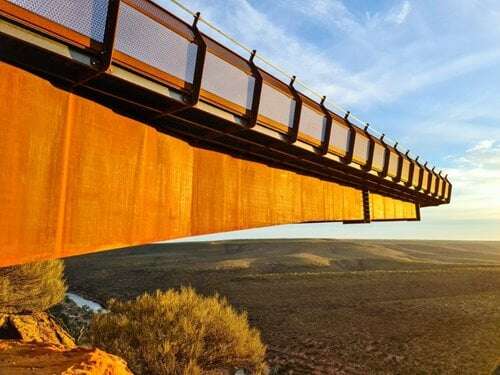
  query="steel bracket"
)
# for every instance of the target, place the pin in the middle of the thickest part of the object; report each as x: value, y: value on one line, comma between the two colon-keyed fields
x: 102, y: 62
x: 325, y: 143
x: 257, y: 91
x: 294, y: 130
x: 347, y: 159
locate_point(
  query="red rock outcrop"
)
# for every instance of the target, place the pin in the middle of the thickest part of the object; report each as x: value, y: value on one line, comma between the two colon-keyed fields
x: 25, y: 358
x: 36, y: 344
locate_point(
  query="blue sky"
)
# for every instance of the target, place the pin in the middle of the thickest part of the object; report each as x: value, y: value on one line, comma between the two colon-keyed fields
x: 425, y: 72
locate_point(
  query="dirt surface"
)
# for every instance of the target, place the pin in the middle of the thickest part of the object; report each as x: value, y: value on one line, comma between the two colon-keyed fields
x: 328, y: 306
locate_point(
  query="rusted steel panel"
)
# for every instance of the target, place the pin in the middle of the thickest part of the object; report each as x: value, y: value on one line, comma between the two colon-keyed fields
x: 76, y: 177
x: 389, y: 209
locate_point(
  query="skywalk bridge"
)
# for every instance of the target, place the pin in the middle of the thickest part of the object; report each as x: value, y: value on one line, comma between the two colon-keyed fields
x: 121, y: 124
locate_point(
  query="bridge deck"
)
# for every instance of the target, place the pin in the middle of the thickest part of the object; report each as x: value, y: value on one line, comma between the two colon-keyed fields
x: 150, y: 130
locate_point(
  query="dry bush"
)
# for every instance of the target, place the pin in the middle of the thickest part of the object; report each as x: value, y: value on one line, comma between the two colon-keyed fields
x: 178, y: 333
x: 31, y: 287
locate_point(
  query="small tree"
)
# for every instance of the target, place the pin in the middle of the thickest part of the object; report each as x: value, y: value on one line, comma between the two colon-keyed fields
x: 31, y: 287
x: 178, y: 333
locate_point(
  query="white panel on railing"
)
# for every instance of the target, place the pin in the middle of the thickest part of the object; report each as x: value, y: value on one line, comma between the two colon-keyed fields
x: 433, y: 183
x: 440, y: 187
x: 416, y: 175
x: 276, y: 106
x: 425, y: 179
x: 393, y: 164
x: 312, y: 123
x: 405, y: 172
x: 146, y: 40
x: 378, y: 157
x: 340, y: 137
x: 87, y: 17
x: 227, y: 81
x: 361, y: 148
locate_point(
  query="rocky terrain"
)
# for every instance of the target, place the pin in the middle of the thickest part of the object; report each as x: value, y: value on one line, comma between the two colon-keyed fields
x: 35, y: 344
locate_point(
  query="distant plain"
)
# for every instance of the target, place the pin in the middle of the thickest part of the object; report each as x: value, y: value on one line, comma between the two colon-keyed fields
x: 331, y: 306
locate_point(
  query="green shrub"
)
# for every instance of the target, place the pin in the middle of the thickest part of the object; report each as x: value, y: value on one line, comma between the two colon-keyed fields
x: 178, y: 333
x: 31, y: 287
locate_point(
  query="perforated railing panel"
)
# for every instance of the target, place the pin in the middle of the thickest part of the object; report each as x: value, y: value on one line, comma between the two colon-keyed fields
x: 87, y: 17
x: 361, y: 149
x: 144, y: 39
x: 276, y: 106
x: 393, y: 164
x: 416, y: 175
x: 378, y: 157
x: 425, y: 180
x: 227, y: 81
x: 440, y: 187
x: 433, y: 184
x: 405, y: 171
x: 312, y: 123
x: 446, y: 190
x: 339, y: 139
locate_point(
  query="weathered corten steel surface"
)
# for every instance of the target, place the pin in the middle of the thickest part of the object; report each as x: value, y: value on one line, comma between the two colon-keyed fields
x: 76, y: 177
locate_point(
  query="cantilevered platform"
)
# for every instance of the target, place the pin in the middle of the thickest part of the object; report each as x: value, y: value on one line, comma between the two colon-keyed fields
x: 121, y: 124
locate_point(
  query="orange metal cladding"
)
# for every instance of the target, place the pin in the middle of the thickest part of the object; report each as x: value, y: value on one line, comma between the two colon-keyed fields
x: 75, y: 177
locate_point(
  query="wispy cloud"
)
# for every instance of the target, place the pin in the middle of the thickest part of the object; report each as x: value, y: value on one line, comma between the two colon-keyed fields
x: 482, y: 146
x: 399, y: 14
x: 476, y: 179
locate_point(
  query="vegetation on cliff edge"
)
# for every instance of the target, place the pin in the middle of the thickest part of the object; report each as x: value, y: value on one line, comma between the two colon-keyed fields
x: 31, y: 287
x: 178, y: 332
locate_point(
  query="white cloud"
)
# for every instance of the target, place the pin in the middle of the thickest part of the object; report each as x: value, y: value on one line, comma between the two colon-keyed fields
x: 476, y: 184
x: 484, y: 145
x: 398, y: 15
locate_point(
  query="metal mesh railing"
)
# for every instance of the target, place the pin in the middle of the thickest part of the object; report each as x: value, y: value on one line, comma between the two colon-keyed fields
x: 149, y: 36
x: 87, y: 17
